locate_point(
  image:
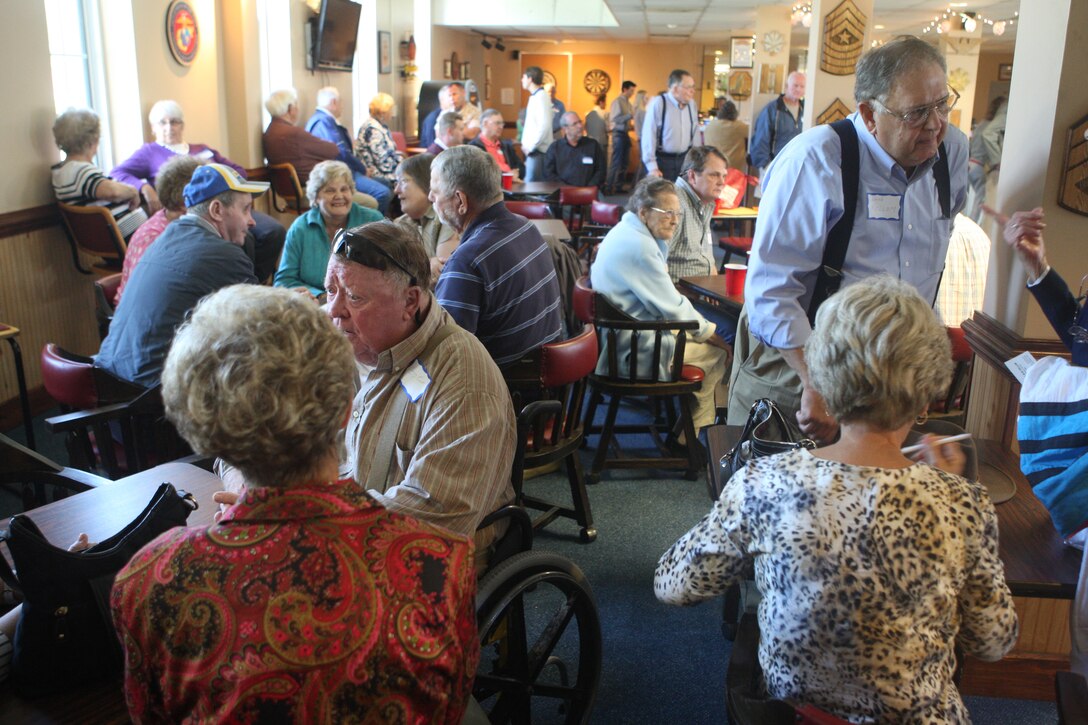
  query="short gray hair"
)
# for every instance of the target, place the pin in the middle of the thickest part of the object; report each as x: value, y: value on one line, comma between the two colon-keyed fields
x: 648, y: 192
x: 260, y: 377
x: 226, y: 198
x: 470, y: 170
x: 400, y: 243
x: 76, y: 130
x: 327, y: 95
x: 278, y: 102
x: 172, y: 178
x: 448, y: 120
x: 568, y: 119
x: 878, y: 353
x: 489, y: 113
x: 677, y: 77
x: 880, y: 68
x: 324, y: 174
x: 165, y: 109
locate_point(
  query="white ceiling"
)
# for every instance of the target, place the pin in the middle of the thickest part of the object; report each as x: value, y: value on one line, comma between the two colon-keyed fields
x: 712, y: 22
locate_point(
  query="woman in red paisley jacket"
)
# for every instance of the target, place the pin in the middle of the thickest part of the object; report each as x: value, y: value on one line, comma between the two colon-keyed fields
x: 308, y: 601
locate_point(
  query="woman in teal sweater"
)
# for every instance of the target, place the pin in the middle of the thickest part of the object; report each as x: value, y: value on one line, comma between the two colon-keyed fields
x: 309, y: 240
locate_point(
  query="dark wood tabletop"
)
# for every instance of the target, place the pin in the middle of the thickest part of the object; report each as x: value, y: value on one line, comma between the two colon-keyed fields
x: 1037, y: 563
x: 100, y: 513
x: 556, y: 227
x: 534, y: 190
x: 712, y: 287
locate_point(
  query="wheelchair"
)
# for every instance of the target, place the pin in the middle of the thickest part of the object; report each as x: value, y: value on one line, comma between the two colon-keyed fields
x: 538, y: 624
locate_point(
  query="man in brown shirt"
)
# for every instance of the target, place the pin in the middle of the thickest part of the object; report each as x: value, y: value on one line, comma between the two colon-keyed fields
x: 287, y: 143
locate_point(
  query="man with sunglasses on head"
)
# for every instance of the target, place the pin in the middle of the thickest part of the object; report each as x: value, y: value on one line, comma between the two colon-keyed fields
x: 904, y: 166
x: 431, y: 432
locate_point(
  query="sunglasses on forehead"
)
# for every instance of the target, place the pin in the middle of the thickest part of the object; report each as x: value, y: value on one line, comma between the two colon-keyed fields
x: 362, y: 251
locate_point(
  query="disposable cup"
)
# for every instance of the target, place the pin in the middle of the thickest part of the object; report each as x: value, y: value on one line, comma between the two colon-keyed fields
x: 734, y: 279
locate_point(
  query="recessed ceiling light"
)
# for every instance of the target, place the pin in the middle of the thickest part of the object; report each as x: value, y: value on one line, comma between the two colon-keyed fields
x: 671, y: 26
x: 957, y: 5
x: 717, y: 52
x: 878, y: 27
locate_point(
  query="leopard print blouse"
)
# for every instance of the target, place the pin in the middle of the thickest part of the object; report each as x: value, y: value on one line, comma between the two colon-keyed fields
x: 869, y: 576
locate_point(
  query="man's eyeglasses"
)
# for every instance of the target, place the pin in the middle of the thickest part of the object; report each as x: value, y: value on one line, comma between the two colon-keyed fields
x: 667, y: 212
x: 362, y: 251
x: 916, y: 118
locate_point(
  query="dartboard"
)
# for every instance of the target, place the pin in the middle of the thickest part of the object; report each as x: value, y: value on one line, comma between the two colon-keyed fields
x: 597, y: 82
x: 549, y: 79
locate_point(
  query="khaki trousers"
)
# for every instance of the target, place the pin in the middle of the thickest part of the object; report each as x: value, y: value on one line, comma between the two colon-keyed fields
x: 758, y: 372
x: 711, y: 360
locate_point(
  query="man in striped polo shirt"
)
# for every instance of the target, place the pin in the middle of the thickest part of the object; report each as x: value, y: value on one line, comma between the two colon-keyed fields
x: 500, y: 283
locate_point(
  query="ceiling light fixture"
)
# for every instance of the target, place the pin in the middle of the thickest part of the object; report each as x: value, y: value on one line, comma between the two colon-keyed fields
x: 498, y: 45
x: 485, y: 43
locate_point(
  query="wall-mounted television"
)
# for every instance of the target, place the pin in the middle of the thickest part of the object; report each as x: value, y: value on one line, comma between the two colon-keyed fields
x: 335, y: 34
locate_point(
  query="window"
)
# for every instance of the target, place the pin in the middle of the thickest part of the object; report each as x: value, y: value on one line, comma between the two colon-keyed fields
x: 274, y: 30
x: 75, y: 60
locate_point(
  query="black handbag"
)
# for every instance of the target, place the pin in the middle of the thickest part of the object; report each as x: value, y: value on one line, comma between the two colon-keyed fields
x: 65, y: 636
x: 765, y: 433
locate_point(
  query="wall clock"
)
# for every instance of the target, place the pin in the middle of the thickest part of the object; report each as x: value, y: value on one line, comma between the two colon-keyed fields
x: 773, y: 42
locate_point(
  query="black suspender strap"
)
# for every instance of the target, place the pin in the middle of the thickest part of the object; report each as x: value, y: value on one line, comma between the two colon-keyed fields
x: 774, y: 125
x: 944, y: 187
x: 838, y: 239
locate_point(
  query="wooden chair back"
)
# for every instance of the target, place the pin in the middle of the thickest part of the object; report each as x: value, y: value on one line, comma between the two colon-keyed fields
x: 92, y: 229
x: 287, y: 191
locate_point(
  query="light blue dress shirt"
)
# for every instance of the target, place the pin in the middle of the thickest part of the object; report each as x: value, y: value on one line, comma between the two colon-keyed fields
x: 802, y: 201
x: 679, y: 134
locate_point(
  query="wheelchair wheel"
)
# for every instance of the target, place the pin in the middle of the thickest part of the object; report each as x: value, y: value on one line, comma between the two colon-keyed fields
x: 541, y: 641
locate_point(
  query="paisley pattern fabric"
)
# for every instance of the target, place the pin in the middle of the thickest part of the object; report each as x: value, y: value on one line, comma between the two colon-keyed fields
x: 869, y: 577
x: 311, y: 605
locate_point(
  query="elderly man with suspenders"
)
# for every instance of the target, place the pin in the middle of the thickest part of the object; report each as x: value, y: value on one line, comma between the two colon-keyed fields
x: 670, y: 126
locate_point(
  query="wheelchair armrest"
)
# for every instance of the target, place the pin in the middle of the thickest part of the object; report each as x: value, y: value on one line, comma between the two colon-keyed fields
x: 83, y: 418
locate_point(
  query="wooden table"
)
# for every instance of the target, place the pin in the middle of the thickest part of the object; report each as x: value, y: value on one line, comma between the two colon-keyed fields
x: 415, y: 150
x: 711, y: 287
x: 741, y: 213
x: 534, y: 191
x: 1040, y: 570
x: 556, y: 227
x: 101, y: 513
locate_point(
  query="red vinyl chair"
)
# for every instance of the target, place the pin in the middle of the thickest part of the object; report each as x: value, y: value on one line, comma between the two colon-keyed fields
x: 93, y: 230
x: 287, y: 191
x: 531, y: 209
x: 953, y: 405
x: 575, y: 201
x: 399, y: 141
x: 739, y: 246
x: 605, y: 214
x: 551, y: 429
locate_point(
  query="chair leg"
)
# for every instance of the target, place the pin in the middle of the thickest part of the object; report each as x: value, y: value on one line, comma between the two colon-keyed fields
x: 691, y: 438
x: 24, y: 399
x: 607, y: 432
x: 595, y: 398
x: 582, y: 511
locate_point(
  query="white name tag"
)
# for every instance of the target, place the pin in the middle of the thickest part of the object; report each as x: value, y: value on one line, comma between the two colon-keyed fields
x: 415, y: 381
x: 885, y: 206
x: 204, y: 155
x: 587, y: 160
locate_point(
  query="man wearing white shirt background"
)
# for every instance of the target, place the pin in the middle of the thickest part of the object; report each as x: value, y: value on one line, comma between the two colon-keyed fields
x: 901, y: 226
x: 536, y: 135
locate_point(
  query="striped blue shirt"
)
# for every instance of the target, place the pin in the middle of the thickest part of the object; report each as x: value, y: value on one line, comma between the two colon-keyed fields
x: 500, y: 284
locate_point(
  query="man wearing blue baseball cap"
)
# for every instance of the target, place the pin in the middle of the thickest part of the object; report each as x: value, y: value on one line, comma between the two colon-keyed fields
x: 197, y: 254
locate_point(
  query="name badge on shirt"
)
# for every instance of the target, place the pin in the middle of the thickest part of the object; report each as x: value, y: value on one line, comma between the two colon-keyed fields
x: 415, y: 381
x: 885, y: 206
x: 204, y: 155
x: 587, y: 160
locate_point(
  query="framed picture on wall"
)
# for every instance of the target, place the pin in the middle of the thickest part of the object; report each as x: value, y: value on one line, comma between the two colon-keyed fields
x: 447, y: 68
x: 740, y: 52
x: 1004, y: 71
x: 385, y: 52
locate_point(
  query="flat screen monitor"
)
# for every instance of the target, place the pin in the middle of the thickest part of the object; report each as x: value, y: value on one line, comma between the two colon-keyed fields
x: 336, y: 34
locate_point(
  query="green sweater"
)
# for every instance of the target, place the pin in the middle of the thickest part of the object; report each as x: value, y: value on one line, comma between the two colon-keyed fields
x: 306, y: 252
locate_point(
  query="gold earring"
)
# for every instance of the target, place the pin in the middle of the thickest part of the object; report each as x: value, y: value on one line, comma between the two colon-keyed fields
x: 921, y: 419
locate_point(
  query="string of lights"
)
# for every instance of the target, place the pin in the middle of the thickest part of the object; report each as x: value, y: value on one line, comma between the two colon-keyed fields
x: 801, y: 14
x: 969, y: 21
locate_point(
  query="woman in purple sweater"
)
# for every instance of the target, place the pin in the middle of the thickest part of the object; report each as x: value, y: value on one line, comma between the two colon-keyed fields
x: 141, y: 169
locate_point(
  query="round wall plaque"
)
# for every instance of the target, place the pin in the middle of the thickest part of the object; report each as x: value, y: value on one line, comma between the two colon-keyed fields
x: 181, y: 32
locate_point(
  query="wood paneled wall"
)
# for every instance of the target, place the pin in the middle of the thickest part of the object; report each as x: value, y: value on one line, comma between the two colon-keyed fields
x: 44, y: 295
